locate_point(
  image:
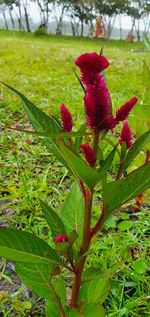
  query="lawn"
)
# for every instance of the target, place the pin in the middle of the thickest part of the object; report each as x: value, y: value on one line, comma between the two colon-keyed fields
x: 42, y: 69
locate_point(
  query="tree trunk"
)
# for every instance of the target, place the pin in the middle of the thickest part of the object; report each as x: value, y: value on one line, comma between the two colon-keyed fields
x: 11, y: 17
x: 120, y: 28
x: 73, y: 28
x: 82, y: 28
x: 6, y: 24
x: 27, y: 19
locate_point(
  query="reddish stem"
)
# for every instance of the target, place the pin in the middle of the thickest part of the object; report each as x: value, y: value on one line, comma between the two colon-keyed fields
x: 98, y: 224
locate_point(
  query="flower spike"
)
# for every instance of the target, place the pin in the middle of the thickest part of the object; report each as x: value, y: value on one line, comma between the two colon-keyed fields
x: 89, y: 154
x: 126, y: 135
x: 66, y: 117
x: 91, y: 64
x: 123, y: 112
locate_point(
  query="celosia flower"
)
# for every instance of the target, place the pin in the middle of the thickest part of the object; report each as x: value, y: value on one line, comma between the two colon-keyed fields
x: 97, y: 104
x: 66, y: 118
x: 123, y: 112
x: 61, y: 238
x: 89, y: 154
x: 126, y: 135
x: 91, y: 64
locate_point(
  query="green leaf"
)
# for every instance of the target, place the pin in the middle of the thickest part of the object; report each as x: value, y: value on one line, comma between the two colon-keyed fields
x: 74, y: 313
x: 136, y: 148
x: 37, y: 277
x: 140, y: 266
x: 26, y: 247
x: 41, y: 122
x: 116, y: 193
x: 73, y: 211
x: 54, y: 221
x: 60, y: 289
x: 93, y: 273
x: 125, y: 225
x: 107, y: 163
x: 93, y: 310
x: 52, y: 309
x: 95, y: 291
x: 78, y: 167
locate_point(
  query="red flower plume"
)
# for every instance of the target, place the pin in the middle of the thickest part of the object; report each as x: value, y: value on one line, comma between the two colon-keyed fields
x: 66, y: 118
x: 97, y: 104
x: 89, y: 154
x: 91, y: 64
x: 123, y: 112
x: 126, y: 135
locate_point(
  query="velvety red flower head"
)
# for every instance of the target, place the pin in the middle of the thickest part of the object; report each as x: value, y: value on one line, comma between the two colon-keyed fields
x: 97, y: 103
x: 66, y: 118
x: 126, y: 135
x: 89, y: 154
x: 91, y: 64
x: 123, y: 112
x: 61, y: 238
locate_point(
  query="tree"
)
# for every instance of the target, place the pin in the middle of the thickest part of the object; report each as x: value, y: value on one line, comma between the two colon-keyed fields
x: 3, y: 9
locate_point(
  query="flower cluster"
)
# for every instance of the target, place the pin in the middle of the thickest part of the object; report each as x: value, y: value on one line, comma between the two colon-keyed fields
x: 97, y: 101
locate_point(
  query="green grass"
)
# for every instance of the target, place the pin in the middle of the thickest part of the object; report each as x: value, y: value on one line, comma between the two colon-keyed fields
x: 41, y: 68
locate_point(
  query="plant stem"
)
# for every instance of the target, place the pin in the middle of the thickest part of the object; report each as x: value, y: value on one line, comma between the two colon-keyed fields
x: 119, y: 170
x: 98, y: 224
x: 88, y: 198
x: 84, y: 248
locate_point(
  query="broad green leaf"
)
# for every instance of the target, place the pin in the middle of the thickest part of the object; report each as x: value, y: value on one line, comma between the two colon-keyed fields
x: 107, y: 163
x: 54, y: 221
x: 93, y: 273
x: 52, y: 309
x: 93, y: 310
x: 38, y: 278
x: 41, y: 122
x: 26, y: 247
x: 116, y: 193
x: 95, y: 291
x: 74, y: 313
x: 136, y: 148
x: 78, y: 167
x: 60, y: 289
x: 72, y: 212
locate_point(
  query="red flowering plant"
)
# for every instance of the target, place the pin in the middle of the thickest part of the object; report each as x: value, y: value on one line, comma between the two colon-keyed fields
x: 42, y: 267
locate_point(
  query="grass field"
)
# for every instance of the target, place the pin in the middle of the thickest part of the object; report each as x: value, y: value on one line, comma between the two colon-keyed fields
x: 42, y: 69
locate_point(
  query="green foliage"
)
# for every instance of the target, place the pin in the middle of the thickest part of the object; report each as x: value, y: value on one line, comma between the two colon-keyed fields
x: 40, y: 32
x: 117, y: 193
x: 95, y: 291
x: 72, y: 212
x: 43, y: 276
x: 25, y: 247
x: 54, y: 221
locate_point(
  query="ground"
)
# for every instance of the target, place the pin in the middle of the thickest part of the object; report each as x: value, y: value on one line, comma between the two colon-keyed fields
x: 42, y: 69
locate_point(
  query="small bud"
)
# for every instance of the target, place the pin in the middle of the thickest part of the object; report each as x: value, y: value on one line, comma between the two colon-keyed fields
x: 89, y: 154
x: 61, y: 238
